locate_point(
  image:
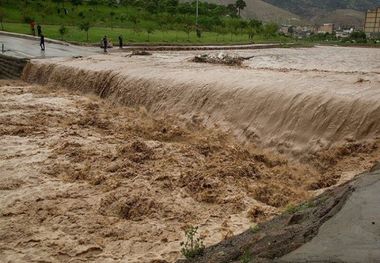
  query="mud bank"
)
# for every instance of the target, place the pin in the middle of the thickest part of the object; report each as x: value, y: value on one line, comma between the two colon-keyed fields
x: 293, y: 106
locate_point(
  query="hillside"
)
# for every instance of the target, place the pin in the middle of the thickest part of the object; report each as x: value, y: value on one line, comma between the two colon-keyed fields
x: 343, y: 17
x: 261, y: 10
x: 347, y: 12
x: 308, y: 8
x: 344, y: 12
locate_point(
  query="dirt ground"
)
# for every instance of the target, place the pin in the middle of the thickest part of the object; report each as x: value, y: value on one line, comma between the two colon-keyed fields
x: 83, y: 179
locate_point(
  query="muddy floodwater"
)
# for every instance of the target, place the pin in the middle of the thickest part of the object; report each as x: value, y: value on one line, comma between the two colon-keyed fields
x: 108, y: 158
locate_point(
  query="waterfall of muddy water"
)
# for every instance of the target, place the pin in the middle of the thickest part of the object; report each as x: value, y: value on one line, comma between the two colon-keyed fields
x: 296, y: 100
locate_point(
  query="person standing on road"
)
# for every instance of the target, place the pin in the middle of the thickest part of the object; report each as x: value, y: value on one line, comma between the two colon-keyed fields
x: 105, y: 44
x: 32, y: 25
x: 42, y: 42
x: 120, y: 42
x: 39, y: 30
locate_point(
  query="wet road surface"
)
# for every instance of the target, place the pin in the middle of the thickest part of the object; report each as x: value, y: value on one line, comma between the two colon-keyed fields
x: 28, y: 48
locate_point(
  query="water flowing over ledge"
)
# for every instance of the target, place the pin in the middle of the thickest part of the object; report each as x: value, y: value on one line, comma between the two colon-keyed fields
x: 294, y: 111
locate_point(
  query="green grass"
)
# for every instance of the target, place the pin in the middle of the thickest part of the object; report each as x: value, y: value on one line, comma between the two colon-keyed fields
x: 254, y: 229
x: 168, y: 28
x: 74, y: 34
x: 246, y: 257
x: 291, y: 208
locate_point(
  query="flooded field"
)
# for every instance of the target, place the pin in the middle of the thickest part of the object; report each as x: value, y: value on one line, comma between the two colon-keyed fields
x: 109, y: 158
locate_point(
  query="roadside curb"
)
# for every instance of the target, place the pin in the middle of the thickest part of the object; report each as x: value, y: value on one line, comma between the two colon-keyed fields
x: 158, y: 47
x: 47, y: 40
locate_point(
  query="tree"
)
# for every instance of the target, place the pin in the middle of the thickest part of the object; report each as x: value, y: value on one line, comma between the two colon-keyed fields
x: 188, y: 27
x: 270, y: 30
x: 85, y: 26
x: 63, y: 30
x: 220, y: 30
x: 163, y: 24
x: 123, y: 18
x: 135, y: 21
x: 2, y: 16
x: 112, y: 14
x: 243, y: 25
x: 81, y: 15
x: 233, y: 26
x: 358, y: 35
x: 76, y: 2
x: 240, y: 5
x: 45, y: 12
x: 149, y: 28
x: 60, y: 2
x: 171, y: 6
x: 251, y: 33
x: 256, y: 24
x: 231, y: 10
x: 94, y: 2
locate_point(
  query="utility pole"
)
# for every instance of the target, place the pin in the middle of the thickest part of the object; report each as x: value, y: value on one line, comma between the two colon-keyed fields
x: 196, y: 21
x: 197, y: 13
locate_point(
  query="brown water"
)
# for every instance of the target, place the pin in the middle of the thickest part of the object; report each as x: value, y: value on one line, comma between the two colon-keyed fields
x: 296, y: 105
x: 103, y: 182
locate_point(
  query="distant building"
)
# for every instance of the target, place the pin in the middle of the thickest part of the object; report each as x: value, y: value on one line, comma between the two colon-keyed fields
x: 344, y: 33
x: 372, y: 23
x: 326, y: 28
x: 287, y: 30
x: 302, y: 32
x: 295, y: 31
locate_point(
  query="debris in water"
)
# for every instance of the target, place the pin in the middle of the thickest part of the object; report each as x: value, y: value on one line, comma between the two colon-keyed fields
x: 221, y: 58
x: 139, y: 53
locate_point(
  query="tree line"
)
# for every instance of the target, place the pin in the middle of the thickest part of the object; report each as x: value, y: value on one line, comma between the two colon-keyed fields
x: 144, y: 15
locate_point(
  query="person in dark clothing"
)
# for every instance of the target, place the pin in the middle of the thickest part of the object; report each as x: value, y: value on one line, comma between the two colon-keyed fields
x: 105, y: 44
x: 42, y: 42
x: 39, y: 30
x: 120, y: 42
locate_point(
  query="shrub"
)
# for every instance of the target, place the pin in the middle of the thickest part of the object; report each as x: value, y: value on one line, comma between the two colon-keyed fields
x: 193, y: 246
x: 246, y: 257
x: 62, y: 31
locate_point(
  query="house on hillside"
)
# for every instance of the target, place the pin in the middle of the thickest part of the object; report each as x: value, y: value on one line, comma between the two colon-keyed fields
x: 372, y: 23
x: 326, y: 28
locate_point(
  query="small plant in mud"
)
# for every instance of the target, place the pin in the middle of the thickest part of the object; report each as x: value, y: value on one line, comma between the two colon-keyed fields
x: 291, y: 208
x: 193, y: 246
x: 254, y: 229
x: 246, y: 257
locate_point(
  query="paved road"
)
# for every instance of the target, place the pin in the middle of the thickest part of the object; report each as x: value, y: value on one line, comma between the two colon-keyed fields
x: 24, y: 46
x: 28, y: 48
x: 352, y: 235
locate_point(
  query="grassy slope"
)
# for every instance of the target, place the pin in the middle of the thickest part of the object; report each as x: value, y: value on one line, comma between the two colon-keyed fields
x: 51, y: 22
x: 96, y: 34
